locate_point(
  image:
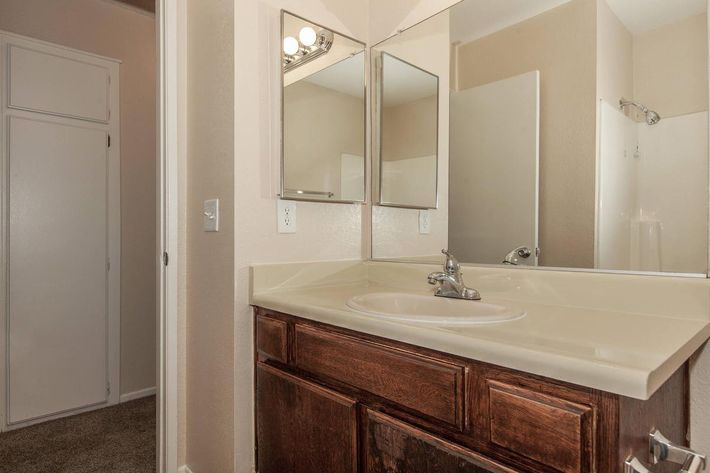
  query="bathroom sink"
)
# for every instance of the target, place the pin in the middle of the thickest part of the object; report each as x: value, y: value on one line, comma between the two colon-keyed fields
x: 431, y: 310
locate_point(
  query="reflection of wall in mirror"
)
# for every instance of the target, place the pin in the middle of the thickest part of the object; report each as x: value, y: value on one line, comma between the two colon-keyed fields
x: 407, y: 180
x: 409, y: 153
x: 395, y: 231
x: 560, y: 44
x: 320, y: 124
x: 652, y: 185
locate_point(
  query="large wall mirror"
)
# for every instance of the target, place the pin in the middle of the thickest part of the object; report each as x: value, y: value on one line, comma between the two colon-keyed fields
x: 572, y: 134
x: 323, y: 116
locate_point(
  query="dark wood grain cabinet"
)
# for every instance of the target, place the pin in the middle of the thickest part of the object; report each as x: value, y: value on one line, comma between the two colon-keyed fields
x: 332, y: 400
x: 303, y: 427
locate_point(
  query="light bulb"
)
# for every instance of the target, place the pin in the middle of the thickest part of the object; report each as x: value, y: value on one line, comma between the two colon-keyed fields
x: 291, y: 45
x: 308, y: 36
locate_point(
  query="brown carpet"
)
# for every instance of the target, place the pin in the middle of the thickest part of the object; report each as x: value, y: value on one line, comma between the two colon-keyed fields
x: 118, y: 439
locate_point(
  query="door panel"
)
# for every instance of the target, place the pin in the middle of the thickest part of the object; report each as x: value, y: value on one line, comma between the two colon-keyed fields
x: 395, y: 447
x: 43, y: 82
x: 303, y: 427
x: 494, y: 161
x: 57, y: 268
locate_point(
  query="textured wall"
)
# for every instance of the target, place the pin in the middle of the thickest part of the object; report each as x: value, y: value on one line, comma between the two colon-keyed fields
x: 124, y: 33
x: 210, y: 256
x: 325, y: 231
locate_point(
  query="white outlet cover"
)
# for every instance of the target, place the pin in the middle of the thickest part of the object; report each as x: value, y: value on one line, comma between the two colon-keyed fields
x: 286, y: 216
x: 424, y: 222
x: 210, y: 215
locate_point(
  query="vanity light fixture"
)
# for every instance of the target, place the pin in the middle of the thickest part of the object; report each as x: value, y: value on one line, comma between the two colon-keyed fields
x: 309, y: 46
x: 307, y: 36
x: 291, y: 46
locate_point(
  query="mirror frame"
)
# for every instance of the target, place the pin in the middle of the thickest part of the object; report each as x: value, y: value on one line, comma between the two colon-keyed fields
x: 379, y: 100
x: 376, y: 144
x: 282, y: 74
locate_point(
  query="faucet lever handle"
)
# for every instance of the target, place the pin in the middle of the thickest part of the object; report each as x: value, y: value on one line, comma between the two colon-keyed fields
x: 451, y: 265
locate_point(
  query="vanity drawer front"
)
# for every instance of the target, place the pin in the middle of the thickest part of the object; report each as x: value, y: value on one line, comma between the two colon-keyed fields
x: 272, y: 338
x: 426, y: 385
x: 550, y: 430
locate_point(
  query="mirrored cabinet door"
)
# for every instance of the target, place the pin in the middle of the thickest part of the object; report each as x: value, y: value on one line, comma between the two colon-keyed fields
x: 408, y: 115
x: 323, y: 117
x: 571, y: 134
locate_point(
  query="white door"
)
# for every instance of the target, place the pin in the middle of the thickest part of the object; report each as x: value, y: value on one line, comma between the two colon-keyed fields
x: 494, y: 136
x: 62, y: 246
x: 58, y: 280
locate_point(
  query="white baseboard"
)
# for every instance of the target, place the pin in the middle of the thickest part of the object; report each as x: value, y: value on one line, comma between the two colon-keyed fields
x: 137, y: 395
x: 184, y: 469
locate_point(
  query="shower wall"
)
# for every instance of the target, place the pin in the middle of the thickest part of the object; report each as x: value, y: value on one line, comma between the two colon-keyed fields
x: 636, y: 229
x: 672, y: 175
x: 645, y: 174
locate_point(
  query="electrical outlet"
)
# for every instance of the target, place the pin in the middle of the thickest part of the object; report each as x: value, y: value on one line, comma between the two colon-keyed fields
x: 424, y: 222
x: 286, y: 216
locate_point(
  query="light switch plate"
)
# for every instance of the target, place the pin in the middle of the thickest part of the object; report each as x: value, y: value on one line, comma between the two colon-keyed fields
x: 286, y: 216
x: 210, y: 215
x: 424, y: 222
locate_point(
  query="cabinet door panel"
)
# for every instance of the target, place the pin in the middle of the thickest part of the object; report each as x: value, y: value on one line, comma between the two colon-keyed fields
x: 395, y: 447
x: 302, y: 427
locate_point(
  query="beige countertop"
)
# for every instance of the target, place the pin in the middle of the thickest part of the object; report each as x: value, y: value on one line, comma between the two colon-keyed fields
x: 606, y: 332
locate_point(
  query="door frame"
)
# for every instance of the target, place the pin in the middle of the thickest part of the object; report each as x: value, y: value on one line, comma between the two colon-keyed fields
x: 171, y: 21
x: 112, y: 127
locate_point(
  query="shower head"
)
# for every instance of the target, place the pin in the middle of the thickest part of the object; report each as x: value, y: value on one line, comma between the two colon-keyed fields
x: 651, y: 117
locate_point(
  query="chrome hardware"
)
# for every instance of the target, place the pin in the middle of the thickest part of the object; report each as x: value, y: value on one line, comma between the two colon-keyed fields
x: 662, y: 449
x: 451, y: 281
x: 633, y: 465
x: 304, y: 192
x: 513, y: 258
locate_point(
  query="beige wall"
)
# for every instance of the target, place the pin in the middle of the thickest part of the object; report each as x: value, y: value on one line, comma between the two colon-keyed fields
x: 108, y: 29
x: 671, y: 67
x: 322, y: 124
x: 561, y: 43
x: 615, y: 78
x: 325, y: 231
x: 410, y: 130
x: 210, y: 256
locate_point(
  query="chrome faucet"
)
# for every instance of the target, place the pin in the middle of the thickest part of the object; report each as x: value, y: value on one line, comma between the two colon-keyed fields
x: 513, y: 258
x: 451, y: 281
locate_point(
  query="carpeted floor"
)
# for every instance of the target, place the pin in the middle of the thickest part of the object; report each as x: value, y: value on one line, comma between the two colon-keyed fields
x: 117, y: 439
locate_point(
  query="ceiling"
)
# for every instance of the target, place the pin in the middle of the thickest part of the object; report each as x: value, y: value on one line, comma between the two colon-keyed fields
x: 473, y: 19
x: 645, y: 15
x: 148, y: 5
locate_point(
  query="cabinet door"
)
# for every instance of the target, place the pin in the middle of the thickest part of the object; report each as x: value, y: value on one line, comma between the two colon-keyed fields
x: 395, y: 447
x: 303, y: 427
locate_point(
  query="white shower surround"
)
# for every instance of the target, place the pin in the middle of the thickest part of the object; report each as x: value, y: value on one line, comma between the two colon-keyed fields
x: 646, y: 174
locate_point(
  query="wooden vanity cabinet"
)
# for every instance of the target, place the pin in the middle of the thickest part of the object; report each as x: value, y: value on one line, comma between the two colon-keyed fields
x: 333, y: 400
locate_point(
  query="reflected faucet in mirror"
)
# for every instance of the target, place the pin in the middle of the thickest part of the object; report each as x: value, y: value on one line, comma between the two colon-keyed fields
x: 451, y: 281
x: 513, y: 258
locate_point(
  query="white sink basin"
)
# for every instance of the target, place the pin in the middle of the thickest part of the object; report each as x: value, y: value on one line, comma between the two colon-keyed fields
x: 432, y: 310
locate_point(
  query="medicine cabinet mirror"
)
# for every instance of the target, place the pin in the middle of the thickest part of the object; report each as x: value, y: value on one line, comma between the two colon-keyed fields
x: 323, y: 115
x: 571, y: 134
x: 408, y: 115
